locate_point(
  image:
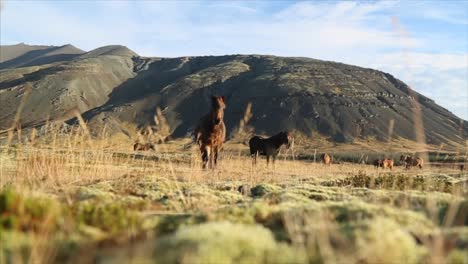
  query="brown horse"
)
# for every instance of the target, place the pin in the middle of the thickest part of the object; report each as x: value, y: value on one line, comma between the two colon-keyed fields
x: 326, y: 159
x: 140, y: 146
x: 269, y: 146
x: 383, y: 163
x: 412, y: 161
x: 211, y: 132
x: 387, y: 163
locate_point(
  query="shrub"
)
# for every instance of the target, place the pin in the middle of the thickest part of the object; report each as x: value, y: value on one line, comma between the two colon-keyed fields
x: 111, y: 217
x: 224, y: 242
x: 263, y: 189
x: 384, y: 241
x: 21, y: 212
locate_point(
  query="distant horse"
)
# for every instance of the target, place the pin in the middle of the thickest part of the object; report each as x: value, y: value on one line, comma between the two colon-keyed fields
x: 412, y: 161
x: 326, y: 159
x: 383, y: 163
x: 377, y: 163
x: 387, y: 163
x: 269, y: 147
x: 140, y: 146
x: 211, y: 132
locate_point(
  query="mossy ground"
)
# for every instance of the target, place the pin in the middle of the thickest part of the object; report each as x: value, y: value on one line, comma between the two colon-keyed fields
x: 170, y: 211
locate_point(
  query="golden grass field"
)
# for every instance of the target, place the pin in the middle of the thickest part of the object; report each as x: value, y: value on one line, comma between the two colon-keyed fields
x: 69, y: 198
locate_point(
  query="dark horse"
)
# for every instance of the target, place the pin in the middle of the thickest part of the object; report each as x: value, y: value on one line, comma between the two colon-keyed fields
x: 269, y: 146
x: 410, y: 161
x: 211, y: 131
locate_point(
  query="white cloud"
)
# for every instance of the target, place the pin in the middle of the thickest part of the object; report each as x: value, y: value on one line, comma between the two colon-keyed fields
x: 445, y: 16
x: 442, y: 77
x: 421, y: 61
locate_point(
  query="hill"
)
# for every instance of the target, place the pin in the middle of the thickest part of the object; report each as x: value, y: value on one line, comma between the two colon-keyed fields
x: 82, y: 83
x: 113, y: 85
x: 22, y: 55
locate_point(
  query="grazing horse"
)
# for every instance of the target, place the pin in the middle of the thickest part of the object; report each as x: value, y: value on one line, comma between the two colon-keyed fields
x: 211, y: 132
x: 326, y: 159
x: 412, y: 161
x: 269, y: 146
x: 140, y: 146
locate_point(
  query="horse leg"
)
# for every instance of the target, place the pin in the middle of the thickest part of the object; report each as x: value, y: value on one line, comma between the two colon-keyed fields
x: 211, y: 159
x: 268, y: 159
x: 254, y: 158
x: 215, y: 150
x: 205, y: 156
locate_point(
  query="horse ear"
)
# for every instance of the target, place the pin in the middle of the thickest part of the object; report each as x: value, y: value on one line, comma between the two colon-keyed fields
x: 224, y: 98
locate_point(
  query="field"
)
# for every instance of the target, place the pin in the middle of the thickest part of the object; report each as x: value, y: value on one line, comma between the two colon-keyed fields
x: 69, y: 198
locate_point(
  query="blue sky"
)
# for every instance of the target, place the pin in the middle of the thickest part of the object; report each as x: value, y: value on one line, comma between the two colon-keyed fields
x: 425, y: 44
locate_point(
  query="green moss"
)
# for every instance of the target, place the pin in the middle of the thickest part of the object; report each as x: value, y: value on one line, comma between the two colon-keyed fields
x: 384, y: 241
x: 263, y: 189
x: 457, y: 257
x: 201, y: 196
x: 170, y: 223
x: 94, y: 192
x: 437, y: 182
x: 224, y: 242
x: 150, y: 188
x: 111, y: 217
x: 15, y: 246
x: 9, y: 200
x: 27, y: 212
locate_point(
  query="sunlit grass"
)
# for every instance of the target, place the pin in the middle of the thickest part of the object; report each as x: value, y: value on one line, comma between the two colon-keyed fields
x: 64, y: 192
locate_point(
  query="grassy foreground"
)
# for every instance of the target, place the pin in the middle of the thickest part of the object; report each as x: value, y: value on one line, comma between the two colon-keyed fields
x: 75, y: 201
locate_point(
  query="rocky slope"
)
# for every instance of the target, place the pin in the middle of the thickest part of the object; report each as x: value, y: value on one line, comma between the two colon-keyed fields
x: 112, y: 84
x: 22, y: 55
x: 82, y: 83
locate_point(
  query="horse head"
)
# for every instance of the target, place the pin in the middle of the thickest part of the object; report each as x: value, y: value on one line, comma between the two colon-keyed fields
x: 218, y: 104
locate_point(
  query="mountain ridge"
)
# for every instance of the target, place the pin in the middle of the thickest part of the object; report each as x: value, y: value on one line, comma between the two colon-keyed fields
x: 22, y: 55
x: 114, y: 85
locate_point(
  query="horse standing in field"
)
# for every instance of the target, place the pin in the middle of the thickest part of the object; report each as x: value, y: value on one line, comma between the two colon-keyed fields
x: 326, y: 159
x: 383, y: 163
x: 211, y: 132
x: 269, y: 147
x: 412, y: 161
x: 377, y: 163
x: 387, y: 163
x: 140, y: 146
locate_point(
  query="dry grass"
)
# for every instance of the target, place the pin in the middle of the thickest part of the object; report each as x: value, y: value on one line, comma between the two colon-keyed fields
x: 301, y: 200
